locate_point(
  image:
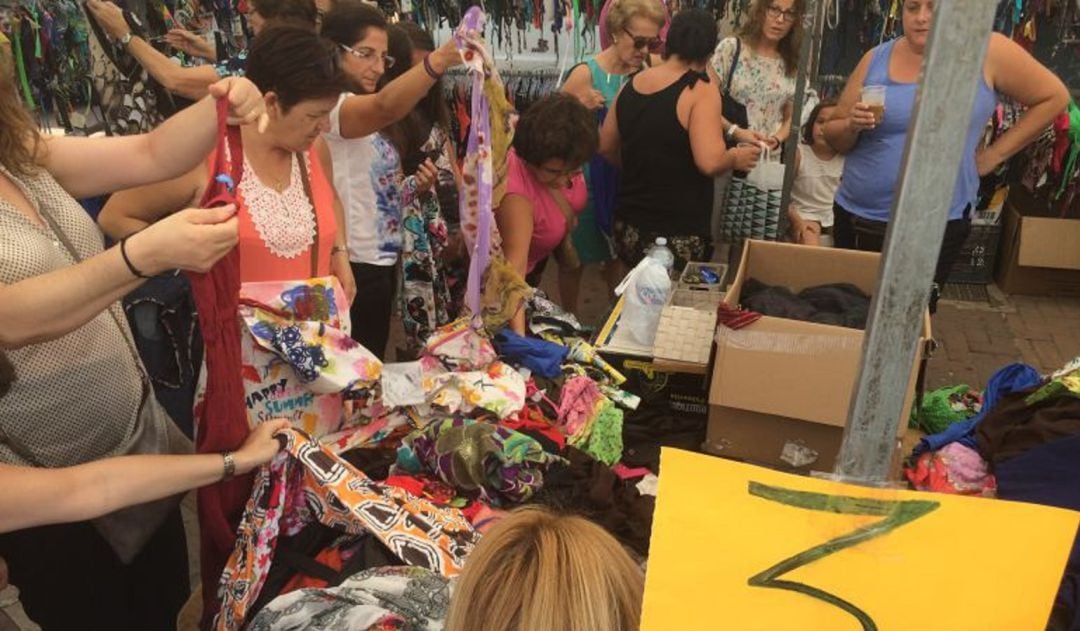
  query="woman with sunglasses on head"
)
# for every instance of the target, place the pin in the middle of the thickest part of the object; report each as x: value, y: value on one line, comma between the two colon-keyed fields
x: 545, y: 189
x: 636, y: 26
x: 362, y: 164
x: 664, y: 131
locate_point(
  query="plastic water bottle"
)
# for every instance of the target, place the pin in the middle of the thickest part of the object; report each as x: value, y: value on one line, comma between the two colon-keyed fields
x: 645, y: 300
x: 660, y: 251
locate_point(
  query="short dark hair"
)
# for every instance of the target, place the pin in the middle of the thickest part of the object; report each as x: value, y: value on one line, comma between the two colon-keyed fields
x: 691, y: 36
x: 297, y: 12
x: 295, y: 64
x: 347, y: 21
x: 808, y: 128
x: 556, y: 127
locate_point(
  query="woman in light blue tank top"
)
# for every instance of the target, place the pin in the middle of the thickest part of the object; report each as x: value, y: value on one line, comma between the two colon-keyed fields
x: 635, y: 26
x: 874, y: 149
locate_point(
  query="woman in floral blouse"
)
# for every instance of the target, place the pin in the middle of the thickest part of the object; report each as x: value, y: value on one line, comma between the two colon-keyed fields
x: 765, y: 56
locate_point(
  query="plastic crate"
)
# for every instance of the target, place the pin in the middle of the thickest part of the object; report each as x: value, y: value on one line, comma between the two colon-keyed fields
x: 975, y: 264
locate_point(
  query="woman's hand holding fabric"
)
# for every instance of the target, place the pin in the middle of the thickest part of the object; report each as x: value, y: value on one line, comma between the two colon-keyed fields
x: 192, y: 240
x: 110, y: 17
x: 426, y: 176
x: 190, y: 43
x: 246, y: 104
x: 261, y: 446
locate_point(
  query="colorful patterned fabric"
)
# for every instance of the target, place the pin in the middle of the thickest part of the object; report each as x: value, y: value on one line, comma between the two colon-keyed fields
x: 504, y: 290
x: 425, y: 294
x: 457, y: 346
x: 385, y: 598
x: 306, y: 483
x: 495, y: 464
x: 298, y: 358
x: 484, y: 169
x: 498, y: 389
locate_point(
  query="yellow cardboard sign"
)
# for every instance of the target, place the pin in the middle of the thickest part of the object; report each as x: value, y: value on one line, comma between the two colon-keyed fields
x: 741, y: 547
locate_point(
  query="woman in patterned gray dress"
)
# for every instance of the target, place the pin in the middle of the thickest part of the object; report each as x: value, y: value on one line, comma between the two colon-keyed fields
x: 81, y: 392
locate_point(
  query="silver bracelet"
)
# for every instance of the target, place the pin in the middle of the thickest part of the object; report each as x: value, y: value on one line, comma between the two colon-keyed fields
x: 229, y: 466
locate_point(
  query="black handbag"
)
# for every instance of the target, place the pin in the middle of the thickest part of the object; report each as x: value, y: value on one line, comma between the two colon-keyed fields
x: 734, y: 112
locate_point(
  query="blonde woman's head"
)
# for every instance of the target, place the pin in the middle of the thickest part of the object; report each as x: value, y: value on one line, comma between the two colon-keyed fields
x: 634, y: 26
x: 540, y: 571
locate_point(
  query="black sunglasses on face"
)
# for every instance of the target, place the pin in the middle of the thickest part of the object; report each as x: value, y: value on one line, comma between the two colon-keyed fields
x: 641, y: 42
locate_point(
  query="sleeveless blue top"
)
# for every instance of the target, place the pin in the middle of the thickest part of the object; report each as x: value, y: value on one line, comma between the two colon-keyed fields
x: 872, y: 169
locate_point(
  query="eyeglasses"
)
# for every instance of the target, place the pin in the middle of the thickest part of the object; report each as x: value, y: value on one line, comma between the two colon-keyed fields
x: 641, y: 42
x: 368, y: 55
x: 776, y: 13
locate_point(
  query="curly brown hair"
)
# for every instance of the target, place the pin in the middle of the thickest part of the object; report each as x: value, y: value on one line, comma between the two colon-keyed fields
x: 20, y: 143
x: 790, y: 46
x: 556, y: 127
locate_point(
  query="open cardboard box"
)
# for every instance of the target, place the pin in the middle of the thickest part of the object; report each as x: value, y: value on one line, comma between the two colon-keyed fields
x: 1039, y: 255
x: 781, y: 389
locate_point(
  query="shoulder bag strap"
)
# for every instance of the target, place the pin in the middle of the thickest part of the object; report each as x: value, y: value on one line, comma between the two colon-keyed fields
x: 306, y: 179
x: 734, y: 64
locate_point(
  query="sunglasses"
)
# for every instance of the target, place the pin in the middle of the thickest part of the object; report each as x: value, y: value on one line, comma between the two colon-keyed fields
x: 641, y: 42
x: 368, y: 55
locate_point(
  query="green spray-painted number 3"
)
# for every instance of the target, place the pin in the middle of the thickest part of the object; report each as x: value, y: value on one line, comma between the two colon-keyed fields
x: 895, y: 514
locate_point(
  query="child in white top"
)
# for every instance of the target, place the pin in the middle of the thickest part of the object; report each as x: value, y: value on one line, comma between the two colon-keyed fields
x: 818, y: 168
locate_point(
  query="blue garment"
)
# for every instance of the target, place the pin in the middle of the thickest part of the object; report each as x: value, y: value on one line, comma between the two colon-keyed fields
x: 872, y: 168
x: 1011, y: 378
x: 542, y: 357
x: 1047, y: 475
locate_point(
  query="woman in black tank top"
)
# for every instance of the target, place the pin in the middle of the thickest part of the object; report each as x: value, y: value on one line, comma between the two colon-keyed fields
x: 667, y: 136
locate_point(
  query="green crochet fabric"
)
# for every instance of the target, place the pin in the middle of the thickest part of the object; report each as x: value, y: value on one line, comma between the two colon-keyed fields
x: 944, y: 407
x: 602, y: 438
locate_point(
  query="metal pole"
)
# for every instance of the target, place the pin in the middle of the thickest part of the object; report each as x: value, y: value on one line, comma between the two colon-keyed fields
x: 813, y: 20
x: 952, y: 68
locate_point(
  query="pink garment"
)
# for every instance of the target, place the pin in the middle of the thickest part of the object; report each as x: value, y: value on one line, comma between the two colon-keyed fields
x: 605, y: 37
x: 549, y: 223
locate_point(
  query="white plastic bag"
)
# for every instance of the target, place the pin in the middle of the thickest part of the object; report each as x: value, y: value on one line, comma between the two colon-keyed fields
x: 768, y: 175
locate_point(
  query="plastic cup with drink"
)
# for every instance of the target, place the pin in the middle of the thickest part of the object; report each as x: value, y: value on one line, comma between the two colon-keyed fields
x: 873, y: 97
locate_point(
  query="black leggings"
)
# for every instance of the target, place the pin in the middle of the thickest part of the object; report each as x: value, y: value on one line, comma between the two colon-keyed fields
x: 370, y: 312
x: 856, y: 233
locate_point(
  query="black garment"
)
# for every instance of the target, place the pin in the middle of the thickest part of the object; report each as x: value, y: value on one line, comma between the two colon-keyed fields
x: 1047, y: 474
x: 533, y: 278
x: 652, y: 426
x: 856, y: 233
x: 161, y: 313
x: 589, y: 487
x: 838, y: 304
x: 660, y: 187
x: 370, y: 312
x: 1014, y: 427
x: 69, y: 578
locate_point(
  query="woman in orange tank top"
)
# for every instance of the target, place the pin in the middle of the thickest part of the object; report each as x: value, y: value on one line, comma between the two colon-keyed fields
x: 286, y: 205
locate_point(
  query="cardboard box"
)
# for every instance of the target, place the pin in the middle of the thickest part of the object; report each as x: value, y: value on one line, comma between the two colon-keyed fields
x: 1039, y: 255
x: 682, y: 388
x: 780, y: 388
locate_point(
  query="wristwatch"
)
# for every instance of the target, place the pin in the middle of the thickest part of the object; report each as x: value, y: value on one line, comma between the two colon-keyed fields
x: 126, y: 39
x: 730, y: 133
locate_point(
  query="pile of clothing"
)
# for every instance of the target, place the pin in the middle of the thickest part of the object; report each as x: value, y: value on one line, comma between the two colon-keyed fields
x: 471, y: 429
x: 1023, y: 445
x: 838, y: 304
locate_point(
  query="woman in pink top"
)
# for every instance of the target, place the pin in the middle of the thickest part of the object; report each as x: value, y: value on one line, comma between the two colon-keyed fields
x: 545, y: 189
